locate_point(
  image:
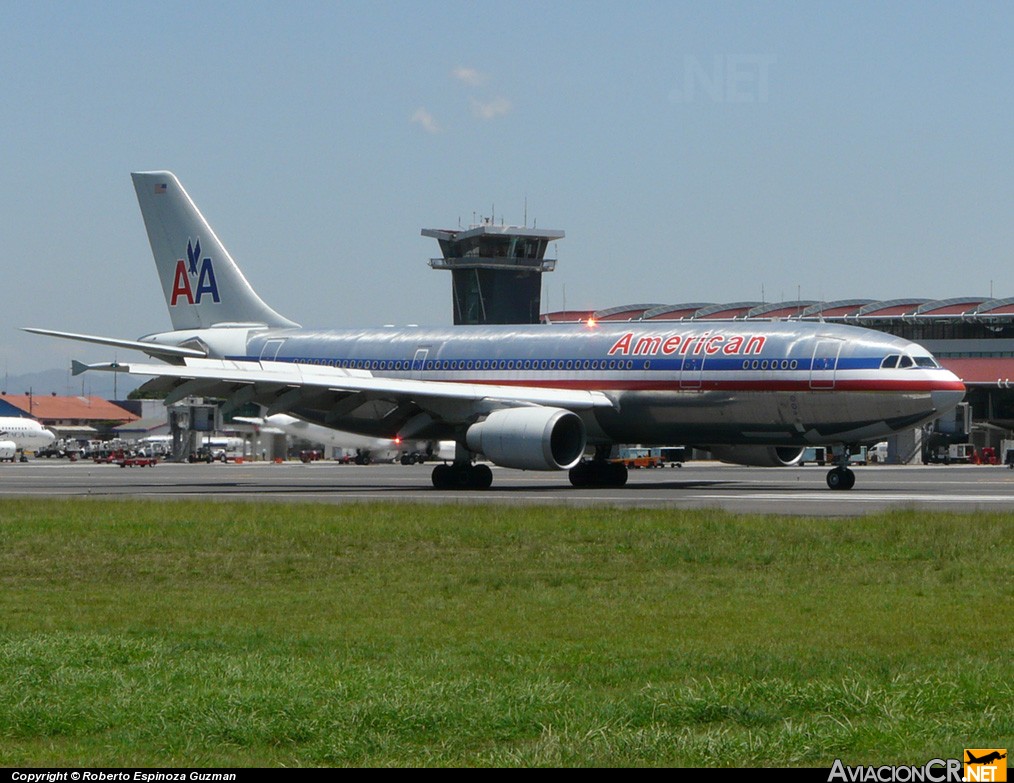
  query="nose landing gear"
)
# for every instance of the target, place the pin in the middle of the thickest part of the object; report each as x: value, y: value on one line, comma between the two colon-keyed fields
x: 840, y: 477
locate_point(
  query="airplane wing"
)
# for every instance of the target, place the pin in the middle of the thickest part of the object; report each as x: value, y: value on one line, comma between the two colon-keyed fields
x: 282, y: 386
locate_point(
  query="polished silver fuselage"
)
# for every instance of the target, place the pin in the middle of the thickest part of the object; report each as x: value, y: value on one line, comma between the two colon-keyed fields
x: 702, y: 382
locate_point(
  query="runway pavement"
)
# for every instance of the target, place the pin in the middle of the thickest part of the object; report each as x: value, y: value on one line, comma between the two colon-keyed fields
x: 697, y: 485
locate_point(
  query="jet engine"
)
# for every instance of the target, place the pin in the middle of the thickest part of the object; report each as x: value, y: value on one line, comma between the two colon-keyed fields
x: 529, y: 438
x: 758, y: 456
x: 8, y: 450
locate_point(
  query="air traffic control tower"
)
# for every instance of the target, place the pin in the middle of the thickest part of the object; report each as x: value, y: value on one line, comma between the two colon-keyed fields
x: 496, y: 271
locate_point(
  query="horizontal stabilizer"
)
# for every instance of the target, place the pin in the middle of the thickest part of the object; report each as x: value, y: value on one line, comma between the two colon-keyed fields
x: 76, y: 367
x: 152, y: 349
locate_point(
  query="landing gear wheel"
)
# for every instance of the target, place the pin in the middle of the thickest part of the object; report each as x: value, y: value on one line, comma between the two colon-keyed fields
x: 841, y: 478
x: 598, y: 473
x: 442, y: 476
x: 482, y: 477
x: 462, y: 477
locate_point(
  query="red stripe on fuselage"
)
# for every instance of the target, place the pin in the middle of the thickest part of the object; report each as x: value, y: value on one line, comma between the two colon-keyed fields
x: 705, y: 384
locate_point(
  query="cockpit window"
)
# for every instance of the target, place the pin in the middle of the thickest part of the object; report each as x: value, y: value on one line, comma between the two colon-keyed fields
x: 890, y: 362
x: 925, y: 361
x: 906, y: 361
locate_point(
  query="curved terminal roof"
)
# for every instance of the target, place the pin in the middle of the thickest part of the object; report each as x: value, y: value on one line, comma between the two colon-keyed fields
x: 891, y: 308
x: 675, y: 312
x: 732, y: 310
x: 780, y: 309
x: 837, y: 309
x: 624, y: 312
x: 957, y: 305
x: 996, y: 307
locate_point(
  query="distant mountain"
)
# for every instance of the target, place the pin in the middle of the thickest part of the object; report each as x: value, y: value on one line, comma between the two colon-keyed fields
x: 61, y: 382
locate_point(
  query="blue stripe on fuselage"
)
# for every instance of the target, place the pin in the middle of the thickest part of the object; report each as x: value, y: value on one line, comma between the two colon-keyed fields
x: 529, y: 363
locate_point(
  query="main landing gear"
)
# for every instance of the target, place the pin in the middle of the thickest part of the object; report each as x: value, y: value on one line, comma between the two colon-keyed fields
x: 840, y: 477
x: 462, y: 475
x: 598, y: 472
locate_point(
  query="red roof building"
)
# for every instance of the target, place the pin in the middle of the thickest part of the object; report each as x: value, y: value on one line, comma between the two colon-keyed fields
x: 69, y: 417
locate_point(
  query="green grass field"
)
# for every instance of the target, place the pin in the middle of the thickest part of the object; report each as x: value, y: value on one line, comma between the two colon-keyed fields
x: 260, y: 634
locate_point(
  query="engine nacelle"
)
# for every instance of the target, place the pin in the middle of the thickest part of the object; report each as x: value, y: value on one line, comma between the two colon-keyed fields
x: 529, y: 438
x: 758, y: 456
x: 8, y: 450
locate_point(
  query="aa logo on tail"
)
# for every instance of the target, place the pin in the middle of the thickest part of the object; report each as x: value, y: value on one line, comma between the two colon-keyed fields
x: 985, y: 764
x: 187, y: 270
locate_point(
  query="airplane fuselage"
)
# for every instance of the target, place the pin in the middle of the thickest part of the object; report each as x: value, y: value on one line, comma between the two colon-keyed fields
x: 773, y: 383
x: 24, y: 433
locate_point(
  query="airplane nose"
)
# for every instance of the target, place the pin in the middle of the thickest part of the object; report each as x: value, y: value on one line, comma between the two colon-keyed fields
x: 945, y: 400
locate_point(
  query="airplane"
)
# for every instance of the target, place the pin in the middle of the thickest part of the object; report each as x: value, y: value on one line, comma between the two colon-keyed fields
x: 989, y: 758
x: 18, y: 433
x: 533, y: 397
x: 367, y: 448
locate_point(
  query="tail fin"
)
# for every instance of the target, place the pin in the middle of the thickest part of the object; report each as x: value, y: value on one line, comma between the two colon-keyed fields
x: 202, y: 284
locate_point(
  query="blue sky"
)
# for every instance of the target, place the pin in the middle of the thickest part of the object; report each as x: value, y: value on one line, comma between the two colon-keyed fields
x: 691, y: 151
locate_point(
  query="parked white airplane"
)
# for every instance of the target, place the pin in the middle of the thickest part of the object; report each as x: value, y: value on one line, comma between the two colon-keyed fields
x: 367, y: 449
x: 529, y: 397
x: 18, y: 434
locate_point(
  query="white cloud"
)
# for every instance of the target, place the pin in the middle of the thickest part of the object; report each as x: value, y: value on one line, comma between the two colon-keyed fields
x: 487, y: 110
x: 469, y: 76
x: 426, y: 120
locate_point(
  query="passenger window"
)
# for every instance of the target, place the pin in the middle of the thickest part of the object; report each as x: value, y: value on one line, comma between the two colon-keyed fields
x: 890, y: 362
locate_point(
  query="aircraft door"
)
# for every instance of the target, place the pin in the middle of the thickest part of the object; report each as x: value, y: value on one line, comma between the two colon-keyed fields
x: 270, y: 350
x: 419, y: 361
x: 693, y: 370
x: 824, y: 366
